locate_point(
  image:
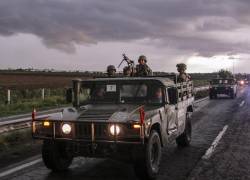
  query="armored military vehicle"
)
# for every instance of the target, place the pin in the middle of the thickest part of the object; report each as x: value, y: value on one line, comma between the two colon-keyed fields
x: 129, y: 119
x: 227, y: 86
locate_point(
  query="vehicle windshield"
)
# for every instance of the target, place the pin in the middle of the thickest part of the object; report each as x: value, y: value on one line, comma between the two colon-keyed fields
x: 133, y: 92
x: 98, y: 93
x: 120, y: 93
x: 222, y: 81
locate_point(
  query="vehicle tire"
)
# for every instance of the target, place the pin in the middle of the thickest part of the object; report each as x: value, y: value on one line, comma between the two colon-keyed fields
x: 184, y: 139
x: 211, y: 96
x: 232, y: 95
x: 148, y: 166
x: 56, y: 156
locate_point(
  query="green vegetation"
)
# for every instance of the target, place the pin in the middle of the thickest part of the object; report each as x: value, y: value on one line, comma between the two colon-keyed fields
x: 26, y: 106
x: 8, y: 140
x: 23, y: 101
x: 16, y: 146
x: 200, y: 82
x: 201, y: 94
x: 225, y: 74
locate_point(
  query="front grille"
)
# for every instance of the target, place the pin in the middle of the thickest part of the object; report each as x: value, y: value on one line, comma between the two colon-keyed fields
x: 223, y: 90
x: 101, y: 130
x: 84, y: 131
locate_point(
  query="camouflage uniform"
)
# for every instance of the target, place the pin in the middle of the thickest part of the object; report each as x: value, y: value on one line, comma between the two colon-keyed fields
x: 111, y: 70
x: 127, y: 71
x: 183, y: 76
x: 142, y: 69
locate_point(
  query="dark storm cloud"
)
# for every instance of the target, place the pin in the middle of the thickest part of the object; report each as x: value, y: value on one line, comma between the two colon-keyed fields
x: 182, y: 24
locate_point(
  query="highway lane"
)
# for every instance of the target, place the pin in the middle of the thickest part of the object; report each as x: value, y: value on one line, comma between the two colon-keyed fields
x: 176, y: 163
x: 231, y: 159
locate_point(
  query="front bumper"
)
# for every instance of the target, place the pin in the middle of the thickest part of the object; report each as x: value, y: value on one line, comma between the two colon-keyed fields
x: 88, y: 132
x: 221, y: 90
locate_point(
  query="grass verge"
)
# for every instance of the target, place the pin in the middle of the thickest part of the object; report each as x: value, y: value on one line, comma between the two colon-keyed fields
x: 201, y: 94
x: 26, y: 106
x: 16, y: 146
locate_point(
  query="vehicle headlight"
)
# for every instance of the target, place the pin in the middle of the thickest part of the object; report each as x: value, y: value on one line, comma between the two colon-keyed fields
x: 114, y: 129
x: 66, y: 128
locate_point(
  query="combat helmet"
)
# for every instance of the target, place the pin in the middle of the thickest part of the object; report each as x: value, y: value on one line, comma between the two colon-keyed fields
x: 181, y: 66
x: 111, y: 68
x: 142, y: 57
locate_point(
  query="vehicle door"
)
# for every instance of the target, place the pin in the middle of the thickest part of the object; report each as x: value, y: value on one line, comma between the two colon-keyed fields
x: 171, y: 110
x: 181, y: 107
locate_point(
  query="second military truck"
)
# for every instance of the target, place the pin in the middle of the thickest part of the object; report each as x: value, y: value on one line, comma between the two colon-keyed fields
x: 226, y: 86
x: 129, y: 119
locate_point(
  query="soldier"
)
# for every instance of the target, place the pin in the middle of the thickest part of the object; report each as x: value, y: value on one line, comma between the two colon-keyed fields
x: 142, y: 69
x: 111, y: 70
x: 128, y: 71
x: 157, y: 96
x: 183, y: 76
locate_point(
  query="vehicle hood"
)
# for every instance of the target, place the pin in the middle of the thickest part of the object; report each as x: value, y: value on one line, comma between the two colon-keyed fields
x: 105, y: 113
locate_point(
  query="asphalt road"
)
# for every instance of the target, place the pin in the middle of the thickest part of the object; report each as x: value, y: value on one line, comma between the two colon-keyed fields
x: 229, y: 159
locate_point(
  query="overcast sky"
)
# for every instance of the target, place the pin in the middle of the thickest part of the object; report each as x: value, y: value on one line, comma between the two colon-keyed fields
x: 91, y: 34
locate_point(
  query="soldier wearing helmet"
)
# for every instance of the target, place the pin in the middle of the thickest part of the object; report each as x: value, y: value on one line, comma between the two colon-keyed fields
x: 111, y: 70
x: 142, y: 69
x: 127, y: 71
x: 183, y: 76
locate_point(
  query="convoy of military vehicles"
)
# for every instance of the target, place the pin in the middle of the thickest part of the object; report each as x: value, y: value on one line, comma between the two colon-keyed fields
x: 128, y: 118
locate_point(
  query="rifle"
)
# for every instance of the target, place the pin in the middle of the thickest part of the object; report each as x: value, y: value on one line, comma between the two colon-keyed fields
x: 129, y: 61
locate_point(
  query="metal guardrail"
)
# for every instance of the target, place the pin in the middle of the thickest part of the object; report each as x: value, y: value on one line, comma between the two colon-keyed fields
x: 201, y: 88
x: 21, y: 116
x: 19, y: 124
x: 200, y: 100
x: 13, y: 123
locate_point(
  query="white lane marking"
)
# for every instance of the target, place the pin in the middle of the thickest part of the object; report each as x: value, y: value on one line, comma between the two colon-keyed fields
x: 242, y: 103
x: 18, y: 168
x: 211, y: 149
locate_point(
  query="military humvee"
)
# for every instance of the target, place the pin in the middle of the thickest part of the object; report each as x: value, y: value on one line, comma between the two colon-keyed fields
x: 223, y: 86
x: 129, y: 119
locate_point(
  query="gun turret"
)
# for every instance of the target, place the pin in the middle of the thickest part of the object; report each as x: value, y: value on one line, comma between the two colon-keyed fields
x: 130, y: 64
x: 129, y: 61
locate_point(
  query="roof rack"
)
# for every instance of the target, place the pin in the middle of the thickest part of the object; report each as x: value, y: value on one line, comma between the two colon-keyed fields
x: 171, y: 76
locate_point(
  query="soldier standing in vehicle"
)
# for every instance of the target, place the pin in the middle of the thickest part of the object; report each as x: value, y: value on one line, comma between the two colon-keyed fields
x: 183, y: 76
x: 128, y: 71
x: 142, y: 69
x: 111, y: 70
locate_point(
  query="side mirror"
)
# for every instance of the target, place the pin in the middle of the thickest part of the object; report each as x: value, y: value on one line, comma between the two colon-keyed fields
x: 69, y: 95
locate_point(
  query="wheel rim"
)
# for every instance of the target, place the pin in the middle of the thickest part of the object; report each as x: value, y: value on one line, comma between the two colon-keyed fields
x: 154, y: 155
